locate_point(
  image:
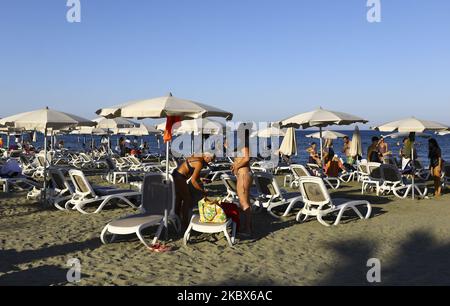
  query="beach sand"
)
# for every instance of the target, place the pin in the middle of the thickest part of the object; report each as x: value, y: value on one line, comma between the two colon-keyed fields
x: 410, y: 238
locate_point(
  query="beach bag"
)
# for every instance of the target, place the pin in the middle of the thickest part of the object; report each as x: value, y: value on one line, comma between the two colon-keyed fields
x: 210, y: 211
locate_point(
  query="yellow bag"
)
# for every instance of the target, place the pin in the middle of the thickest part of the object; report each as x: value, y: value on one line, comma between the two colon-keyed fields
x: 210, y: 211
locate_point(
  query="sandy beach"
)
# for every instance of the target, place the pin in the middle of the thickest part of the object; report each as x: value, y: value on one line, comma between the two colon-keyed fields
x: 410, y: 238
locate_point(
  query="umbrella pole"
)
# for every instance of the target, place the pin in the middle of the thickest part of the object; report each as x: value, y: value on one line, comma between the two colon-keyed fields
x: 166, y: 215
x: 7, y: 141
x: 413, y: 170
x: 192, y: 143
x: 321, y: 146
x: 44, y: 194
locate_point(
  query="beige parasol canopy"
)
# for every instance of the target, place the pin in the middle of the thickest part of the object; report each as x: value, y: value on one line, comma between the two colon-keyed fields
x: 163, y: 107
x: 45, y: 119
x: 327, y: 135
x: 289, y: 145
x: 411, y: 124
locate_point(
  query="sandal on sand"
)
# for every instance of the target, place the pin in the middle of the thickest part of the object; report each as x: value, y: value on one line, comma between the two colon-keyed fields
x: 159, y: 248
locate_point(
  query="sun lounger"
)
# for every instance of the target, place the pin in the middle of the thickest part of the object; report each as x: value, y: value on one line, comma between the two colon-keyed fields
x: 319, y: 204
x: 211, y: 228
x: 271, y: 196
x: 158, y: 196
x: 393, y: 181
x: 85, y: 194
x: 371, y: 177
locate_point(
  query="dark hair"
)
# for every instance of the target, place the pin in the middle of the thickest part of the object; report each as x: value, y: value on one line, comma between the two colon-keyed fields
x: 345, y: 137
x: 375, y: 138
x: 433, y: 148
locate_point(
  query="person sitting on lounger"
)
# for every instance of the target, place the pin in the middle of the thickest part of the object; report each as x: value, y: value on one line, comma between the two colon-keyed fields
x: 313, y: 156
x: 332, y: 164
x: 10, y: 169
x: 190, y: 169
x: 373, y: 155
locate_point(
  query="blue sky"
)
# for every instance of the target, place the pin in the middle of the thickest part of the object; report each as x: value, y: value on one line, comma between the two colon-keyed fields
x: 260, y: 59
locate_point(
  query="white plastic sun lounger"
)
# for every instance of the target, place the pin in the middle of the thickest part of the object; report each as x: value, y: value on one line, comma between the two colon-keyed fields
x: 86, y: 194
x: 319, y: 204
x: 158, y: 195
x: 271, y: 196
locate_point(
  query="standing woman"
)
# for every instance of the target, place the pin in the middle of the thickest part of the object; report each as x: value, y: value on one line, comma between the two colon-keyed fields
x: 241, y: 169
x: 383, y: 149
x: 435, y: 156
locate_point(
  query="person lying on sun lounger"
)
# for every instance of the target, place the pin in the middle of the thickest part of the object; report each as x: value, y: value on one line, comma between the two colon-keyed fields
x: 332, y: 165
x: 10, y: 169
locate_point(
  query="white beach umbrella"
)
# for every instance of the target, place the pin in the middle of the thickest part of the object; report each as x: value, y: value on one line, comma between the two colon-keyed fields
x: 321, y: 118
x: 356, y: 144
x: 86, y: 130
x: 327, y: 135
x: 289, y: 145
x: 113, y: 125
x: 443, y: 133
x: 198, y: 126
x: 269, y: 132
x: 163, y: 107
x: 403, y: 135
x: 142, y: 130
x: 411, y: 125
x: 44, y: 120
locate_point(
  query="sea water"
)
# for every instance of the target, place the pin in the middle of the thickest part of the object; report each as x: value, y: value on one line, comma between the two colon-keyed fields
x: 156, y: 144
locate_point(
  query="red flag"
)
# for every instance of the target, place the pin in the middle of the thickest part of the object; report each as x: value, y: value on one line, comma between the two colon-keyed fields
x: 171, y: 120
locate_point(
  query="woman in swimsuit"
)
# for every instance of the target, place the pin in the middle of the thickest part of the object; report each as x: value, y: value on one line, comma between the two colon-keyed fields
x: 241, y: 169
x: 314, y: 158
x: 190, y: 169
x: 383, y: 149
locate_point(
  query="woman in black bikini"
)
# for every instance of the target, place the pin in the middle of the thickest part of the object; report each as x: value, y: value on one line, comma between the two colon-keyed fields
x: 241, y: 169
x: 190, y: 169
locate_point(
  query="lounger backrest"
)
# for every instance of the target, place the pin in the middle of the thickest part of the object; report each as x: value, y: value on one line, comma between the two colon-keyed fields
x: 81, y: 183
x: 314, y: 191
x: 417, y: 164
x: 59, y: 180
x: 447, y: 170
x: 230, y: 183
x: 362, y: 168
x: 24, y: 160
x: 134, y: 160
x: 85, y: 157
x: 120, y: 160
x: 390, y: 173
x: 374, y: 170
x: 158, y: 193
x: 299, y: 171
x: 266, y: 185
x: 110, y: 163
